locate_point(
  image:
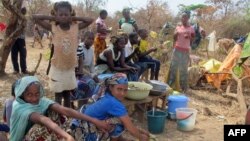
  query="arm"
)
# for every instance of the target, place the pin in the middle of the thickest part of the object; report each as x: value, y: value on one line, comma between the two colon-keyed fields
x: 141, y: 135
x: 136, y: 27
x: 175, y: 37
x: 102, y: 30
x: 41, y: 20
x: 43, y: 120
x: 132, y: 55
x: 122, y: 60
x: 4, y: 113
x: 85, y: 21
x: 74, y: 114
x: 80, y: 64
x: 147, y: 52
x: 192, y: 36
x: 120, y: 24
x: 110, y: 63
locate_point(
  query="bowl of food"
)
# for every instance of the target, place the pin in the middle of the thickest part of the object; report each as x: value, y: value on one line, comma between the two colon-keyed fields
x: 138, y: 90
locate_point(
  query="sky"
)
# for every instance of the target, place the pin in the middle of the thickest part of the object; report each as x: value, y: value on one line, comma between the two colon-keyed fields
x: 117, y: 5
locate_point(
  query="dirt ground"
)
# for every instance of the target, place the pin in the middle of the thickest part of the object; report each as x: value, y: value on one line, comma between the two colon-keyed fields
x: 214, y: 110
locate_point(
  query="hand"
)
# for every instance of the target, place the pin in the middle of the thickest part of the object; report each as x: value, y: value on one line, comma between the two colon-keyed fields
x: 95, y: 78
x: 153, y: 49
x: 136, y: 49
x: 144, y: 132
x: 132, y: 69
x: 69, y: 138
x: 102, y: 125
x: 144, y: 137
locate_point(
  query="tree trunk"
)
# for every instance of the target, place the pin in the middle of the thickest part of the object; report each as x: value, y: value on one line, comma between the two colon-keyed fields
x: 15, y: 26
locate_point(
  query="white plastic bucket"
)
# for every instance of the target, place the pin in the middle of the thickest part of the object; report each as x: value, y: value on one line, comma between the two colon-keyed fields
x: 186, y: 118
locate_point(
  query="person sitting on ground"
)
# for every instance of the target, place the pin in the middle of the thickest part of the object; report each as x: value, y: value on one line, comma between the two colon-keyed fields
x: 4, y: 129
x: 29, y: 108
x: 112, y: 59
x: 111, y: 109
x: 86, y: 77
x: 8, y: 106
x: 144, y: 56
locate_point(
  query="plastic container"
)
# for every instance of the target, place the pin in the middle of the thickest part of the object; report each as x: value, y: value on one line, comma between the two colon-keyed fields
x: 156, y: 121
x: 138, y: 90
x: 158, y: 85
x: 174, y: 102
x: 186, y: 118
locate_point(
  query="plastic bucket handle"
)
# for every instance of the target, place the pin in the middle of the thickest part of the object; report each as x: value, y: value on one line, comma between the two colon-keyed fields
x: 185, y: 117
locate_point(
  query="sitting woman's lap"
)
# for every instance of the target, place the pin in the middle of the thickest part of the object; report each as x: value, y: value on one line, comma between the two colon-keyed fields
x: 86, y: 131
x: 42, y: 133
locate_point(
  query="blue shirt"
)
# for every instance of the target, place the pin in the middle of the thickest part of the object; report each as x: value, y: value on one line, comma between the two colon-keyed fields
x: 107, y: 107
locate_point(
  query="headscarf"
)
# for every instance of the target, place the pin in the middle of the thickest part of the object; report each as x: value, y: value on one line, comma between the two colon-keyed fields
x: 118, y: 78
x: 21, y: 110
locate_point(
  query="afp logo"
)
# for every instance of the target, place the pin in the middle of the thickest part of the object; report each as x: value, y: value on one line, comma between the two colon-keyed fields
x: 233, y: 132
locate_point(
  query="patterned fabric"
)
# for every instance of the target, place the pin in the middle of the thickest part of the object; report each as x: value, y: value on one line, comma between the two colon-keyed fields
x: 85, y: 88
x: 86, y: 131
x: 99, y: 45
x: 178, y: 74
x: 118, y: 78
x: 42, y: 133
x: 21, y: 110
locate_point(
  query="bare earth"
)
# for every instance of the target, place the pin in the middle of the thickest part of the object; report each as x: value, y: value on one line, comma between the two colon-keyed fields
x: 214, y: 110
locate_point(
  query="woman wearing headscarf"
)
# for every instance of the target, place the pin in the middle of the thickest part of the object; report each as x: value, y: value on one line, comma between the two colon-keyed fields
x: 110, y: 108
x: 30, y: 107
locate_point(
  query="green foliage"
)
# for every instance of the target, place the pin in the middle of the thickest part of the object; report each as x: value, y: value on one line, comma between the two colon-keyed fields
x: 191, y: 7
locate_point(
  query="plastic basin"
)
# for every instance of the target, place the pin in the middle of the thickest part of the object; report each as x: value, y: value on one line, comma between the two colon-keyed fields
x: 138, y: 90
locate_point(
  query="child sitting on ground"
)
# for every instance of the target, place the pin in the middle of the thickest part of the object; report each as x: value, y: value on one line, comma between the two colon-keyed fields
x: 144, y: 56
x: 110, y: 108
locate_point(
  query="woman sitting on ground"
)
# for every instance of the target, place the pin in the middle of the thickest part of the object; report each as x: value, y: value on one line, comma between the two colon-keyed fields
x: 111, y: 109
x: 30, y: 107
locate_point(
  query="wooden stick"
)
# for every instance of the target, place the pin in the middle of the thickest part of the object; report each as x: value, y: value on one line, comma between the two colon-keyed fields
x: 37, y: 65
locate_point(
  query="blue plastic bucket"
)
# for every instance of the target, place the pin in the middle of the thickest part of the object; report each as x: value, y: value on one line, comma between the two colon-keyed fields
x: 174, y: 102
x: 156, y: 121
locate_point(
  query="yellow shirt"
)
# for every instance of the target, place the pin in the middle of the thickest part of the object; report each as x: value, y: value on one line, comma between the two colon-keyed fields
x: 143, y: 47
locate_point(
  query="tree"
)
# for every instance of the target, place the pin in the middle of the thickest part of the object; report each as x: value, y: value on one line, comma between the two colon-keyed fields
x: 15, y: 25
x: 224, y: 6
x: 154, y: 16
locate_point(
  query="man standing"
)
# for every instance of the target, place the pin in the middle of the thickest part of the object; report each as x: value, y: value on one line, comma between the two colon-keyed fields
x: 19, y: 47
